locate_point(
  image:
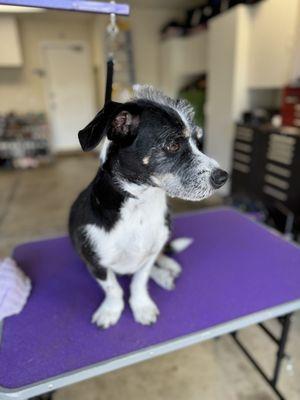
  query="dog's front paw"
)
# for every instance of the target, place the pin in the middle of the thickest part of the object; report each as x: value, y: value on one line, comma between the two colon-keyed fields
x: 108, y: 313
x: 144, y: 310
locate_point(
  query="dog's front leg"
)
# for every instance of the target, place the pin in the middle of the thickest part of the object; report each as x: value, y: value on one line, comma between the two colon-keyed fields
x: 112, y: 306
x: 144, y: 309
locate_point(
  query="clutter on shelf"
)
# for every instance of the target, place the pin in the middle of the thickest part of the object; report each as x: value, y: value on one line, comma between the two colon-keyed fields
x: 24, y: 140
x: 290, y: 109
x: 196, y: 18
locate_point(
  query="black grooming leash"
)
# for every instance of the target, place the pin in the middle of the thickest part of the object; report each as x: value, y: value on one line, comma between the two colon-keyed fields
x: 109, y: 79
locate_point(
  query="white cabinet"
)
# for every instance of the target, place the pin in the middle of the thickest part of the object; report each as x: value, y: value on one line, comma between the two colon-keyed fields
x: 295, y: 73
x: 194, y: 53
x: 170, y: 63
x: 227, y: 94
x: 10, y: 49
x: 182, y: 58
x: 273, y: 52
x: 273, y: 43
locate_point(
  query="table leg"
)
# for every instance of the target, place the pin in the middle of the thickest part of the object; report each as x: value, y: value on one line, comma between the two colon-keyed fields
x: 47, y: 396
x: 286, y: 323
x: 281, y: 344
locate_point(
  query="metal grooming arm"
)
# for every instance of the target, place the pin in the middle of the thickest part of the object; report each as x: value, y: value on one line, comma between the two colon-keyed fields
x: 71, y: 5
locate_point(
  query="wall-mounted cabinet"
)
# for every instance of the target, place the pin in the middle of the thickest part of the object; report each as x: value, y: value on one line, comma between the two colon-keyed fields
x: 10, y: 48
x: 194, y: 53
x: 182, y: 58
x: 271, y: 53
x: 227, y: 94
x: 273, y: 40
x: 295, y: 73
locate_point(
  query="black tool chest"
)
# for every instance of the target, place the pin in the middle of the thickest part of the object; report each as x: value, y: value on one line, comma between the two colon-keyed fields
x: 266, y: 165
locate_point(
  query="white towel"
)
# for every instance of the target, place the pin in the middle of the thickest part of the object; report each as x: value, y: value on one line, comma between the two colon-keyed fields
x: 15, y: 287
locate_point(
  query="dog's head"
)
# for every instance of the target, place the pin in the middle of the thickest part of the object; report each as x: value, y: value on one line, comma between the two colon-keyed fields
x: 153, y: 140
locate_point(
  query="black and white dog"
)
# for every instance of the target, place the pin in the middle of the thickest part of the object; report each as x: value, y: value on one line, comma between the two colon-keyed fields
x: 120, y: 223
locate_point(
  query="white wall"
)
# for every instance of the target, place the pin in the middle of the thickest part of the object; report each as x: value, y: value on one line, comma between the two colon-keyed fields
x: 273, y: 37
x: 146, y: 24
x: 22, y: 89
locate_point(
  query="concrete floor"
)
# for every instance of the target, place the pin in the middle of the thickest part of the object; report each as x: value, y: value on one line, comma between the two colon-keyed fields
x: 35, y: 204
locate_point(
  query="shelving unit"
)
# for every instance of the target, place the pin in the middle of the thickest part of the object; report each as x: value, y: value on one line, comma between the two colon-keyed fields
x: 24, y: 140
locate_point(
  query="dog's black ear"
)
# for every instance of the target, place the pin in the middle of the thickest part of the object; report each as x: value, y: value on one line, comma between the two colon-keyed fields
x: 91, y: 135
x: 125, y: 123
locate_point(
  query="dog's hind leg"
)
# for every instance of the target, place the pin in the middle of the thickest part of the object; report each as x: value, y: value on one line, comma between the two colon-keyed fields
x: 169, y: 264
x: 162, y: 277
x: 165, y: 271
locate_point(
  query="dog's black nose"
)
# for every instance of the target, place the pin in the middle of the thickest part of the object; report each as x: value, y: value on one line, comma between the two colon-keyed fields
x: 218, y: 177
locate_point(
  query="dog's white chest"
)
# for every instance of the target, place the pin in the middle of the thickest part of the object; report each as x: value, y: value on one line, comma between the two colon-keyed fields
x: 137, y: 237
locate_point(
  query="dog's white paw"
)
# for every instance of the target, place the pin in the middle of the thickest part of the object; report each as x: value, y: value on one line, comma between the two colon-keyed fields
x: 108, y: 313
x: 163, y: 278
x: 169, y: 264
x: 144, y: 311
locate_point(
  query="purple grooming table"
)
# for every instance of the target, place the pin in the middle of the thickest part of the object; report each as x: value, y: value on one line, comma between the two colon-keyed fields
x: 236, y: 273
x: 73, y: 5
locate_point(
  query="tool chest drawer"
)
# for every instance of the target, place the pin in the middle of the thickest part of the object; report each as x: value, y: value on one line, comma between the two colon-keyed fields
x: 266, y: 166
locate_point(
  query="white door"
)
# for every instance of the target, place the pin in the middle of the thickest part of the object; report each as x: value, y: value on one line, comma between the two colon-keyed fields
x: 70, y: 92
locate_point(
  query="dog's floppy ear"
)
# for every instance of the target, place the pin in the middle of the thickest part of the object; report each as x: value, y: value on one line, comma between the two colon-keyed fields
x: 124, y: 124
x: 116, y: 120
x: 91, y: 135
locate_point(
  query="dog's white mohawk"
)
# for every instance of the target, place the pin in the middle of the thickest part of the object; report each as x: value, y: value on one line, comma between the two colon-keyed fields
x: 147, y: 92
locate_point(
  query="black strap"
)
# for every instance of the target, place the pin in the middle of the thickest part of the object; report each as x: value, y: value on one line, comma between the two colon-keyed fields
x: 109, y: 79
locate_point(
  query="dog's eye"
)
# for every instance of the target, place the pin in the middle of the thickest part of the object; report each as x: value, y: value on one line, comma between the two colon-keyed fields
x: 173, y: 147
